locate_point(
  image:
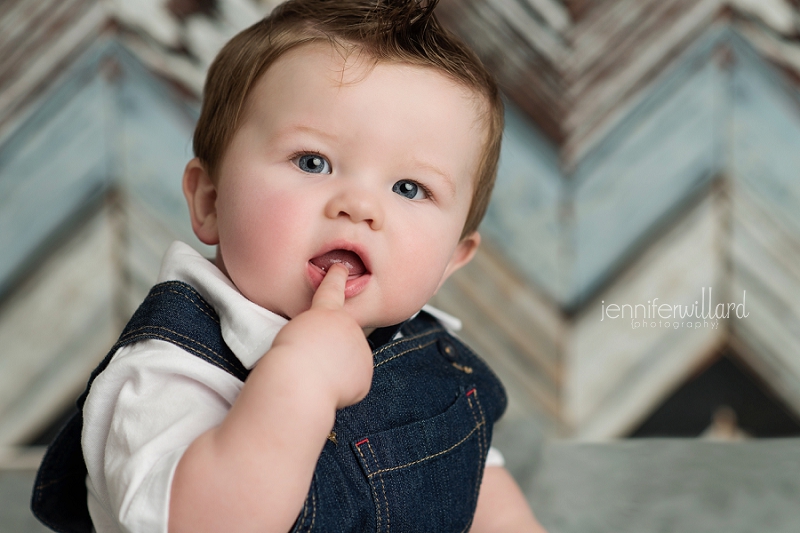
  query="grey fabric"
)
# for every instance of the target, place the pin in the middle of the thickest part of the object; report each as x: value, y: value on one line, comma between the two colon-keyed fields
x: 15, y: 502
x: 668, y: 486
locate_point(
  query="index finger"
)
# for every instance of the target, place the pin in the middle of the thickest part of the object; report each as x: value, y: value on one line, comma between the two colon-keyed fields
x: 330, y: 293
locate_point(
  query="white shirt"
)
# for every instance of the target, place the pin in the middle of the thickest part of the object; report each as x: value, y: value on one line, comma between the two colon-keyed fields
x: 155, y: 398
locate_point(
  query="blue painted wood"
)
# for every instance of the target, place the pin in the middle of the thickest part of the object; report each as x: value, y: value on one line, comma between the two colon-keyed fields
x: 523, y: 216
x: 109, y: 121
x: 765, y: 172
x: 53, y: 166
x: 155, y: 143
x: 669, y: 153
x: 765, y: 137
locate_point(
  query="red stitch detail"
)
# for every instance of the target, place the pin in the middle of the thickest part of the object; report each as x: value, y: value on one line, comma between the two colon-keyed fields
x: 469, y: 392
x: 359, y: 443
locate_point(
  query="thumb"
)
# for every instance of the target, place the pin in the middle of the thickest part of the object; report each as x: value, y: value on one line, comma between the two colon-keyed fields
x: 330, y: 293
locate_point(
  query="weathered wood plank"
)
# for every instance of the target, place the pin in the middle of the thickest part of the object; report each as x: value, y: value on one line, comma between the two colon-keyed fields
x: 523, y: 219
x: 668, y: 154
x: 615, y: 372
x: 54, y: 330
x: 48, y: 173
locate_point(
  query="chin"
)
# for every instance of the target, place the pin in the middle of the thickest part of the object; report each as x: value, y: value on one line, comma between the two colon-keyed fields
x: 381, y: 323
x: 376, y: 316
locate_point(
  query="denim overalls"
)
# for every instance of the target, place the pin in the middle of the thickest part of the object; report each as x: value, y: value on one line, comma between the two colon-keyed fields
x: 409, y: 457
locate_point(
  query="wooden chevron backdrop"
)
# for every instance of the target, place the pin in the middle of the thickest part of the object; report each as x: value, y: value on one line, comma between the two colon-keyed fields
x: 651, y: 151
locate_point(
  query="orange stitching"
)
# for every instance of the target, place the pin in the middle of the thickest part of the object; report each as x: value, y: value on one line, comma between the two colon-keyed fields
x: 303, y: 517
x: 184, y: 346
x: 405, y: 352
x: 480, y: 443
x: 204, y: 311
x: 191, y: 289
x: 483, y: 419
x: 206, y: 304
x: 383, y: 488
x: 374, y: 492
x: 456, y: 445
x: 406, y: 339
x: 41, y: 486
x: 130, y: 333
x: 313, y: 510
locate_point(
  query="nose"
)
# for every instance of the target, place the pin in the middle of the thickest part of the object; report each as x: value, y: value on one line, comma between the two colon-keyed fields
x: 358, y: 206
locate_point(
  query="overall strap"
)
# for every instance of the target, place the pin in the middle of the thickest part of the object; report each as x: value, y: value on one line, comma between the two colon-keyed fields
x: 174, y: 312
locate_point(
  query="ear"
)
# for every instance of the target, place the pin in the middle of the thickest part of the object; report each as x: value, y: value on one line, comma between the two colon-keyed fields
x: 463, y: 254
x: 201, y: 197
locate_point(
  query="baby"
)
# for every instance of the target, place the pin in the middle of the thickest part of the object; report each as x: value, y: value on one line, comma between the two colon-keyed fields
x: 346, y: 152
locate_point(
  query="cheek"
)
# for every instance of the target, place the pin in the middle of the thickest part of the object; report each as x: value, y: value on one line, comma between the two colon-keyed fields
x: 257, y: 231
x: 421, y: 262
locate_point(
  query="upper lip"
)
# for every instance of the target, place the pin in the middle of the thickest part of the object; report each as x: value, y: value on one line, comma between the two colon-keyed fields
x: 346, y: 245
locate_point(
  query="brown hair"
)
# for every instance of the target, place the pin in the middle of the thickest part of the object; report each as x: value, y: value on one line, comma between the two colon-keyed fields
x: 405, y: 31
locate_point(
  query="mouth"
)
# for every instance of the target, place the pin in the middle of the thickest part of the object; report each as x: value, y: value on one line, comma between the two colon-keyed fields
x: 350, y: 259
x: 354, y: 259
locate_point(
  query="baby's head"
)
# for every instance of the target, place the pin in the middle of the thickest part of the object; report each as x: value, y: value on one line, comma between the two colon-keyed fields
x: 344, y: 131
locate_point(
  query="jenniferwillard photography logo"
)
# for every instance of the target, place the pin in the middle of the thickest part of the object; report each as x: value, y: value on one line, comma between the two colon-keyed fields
x: 664, y: 315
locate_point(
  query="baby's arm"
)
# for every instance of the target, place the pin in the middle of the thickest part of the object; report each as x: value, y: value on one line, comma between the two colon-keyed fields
x: 502, y: 507
x: 252, y: 473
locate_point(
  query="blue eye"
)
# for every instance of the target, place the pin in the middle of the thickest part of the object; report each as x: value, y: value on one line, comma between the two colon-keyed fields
x: 409, y: 189
x: 313, y: 164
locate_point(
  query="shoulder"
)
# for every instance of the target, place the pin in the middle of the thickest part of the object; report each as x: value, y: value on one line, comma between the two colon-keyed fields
x: 145, y: 380
x: 149, y: 361
x: 151, y: 401
x: 461, y: 356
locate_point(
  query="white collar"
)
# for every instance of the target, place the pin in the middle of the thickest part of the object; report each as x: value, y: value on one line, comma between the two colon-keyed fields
x: 247, y: 328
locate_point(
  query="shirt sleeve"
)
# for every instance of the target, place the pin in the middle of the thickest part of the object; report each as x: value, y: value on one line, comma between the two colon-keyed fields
x: 495, y: 457
x: 141, y: 414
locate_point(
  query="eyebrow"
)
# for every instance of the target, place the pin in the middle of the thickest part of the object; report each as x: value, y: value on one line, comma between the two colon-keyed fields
x: 301, y: 128
x: 448, y: 179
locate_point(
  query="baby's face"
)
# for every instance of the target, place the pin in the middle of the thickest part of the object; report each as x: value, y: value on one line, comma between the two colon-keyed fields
x: 334, y: 162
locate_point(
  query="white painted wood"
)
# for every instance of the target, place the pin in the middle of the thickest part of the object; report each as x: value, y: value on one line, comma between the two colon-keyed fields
x: 646, y: 128
x: 779, y: 50
x: 54, y: 330
x: 614, y: 374
x: 152, y: 16
x: 766, y: 258
x: 778, y: 14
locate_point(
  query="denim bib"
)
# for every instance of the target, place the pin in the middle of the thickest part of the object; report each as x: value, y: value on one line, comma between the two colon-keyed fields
x: 409, y: 457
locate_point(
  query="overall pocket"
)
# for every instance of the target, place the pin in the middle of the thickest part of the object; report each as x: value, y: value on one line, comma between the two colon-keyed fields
x: 425, y: 476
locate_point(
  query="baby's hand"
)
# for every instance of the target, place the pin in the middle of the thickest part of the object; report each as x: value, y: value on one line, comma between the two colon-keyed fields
x: 330, y: 344
x: 252, y: 472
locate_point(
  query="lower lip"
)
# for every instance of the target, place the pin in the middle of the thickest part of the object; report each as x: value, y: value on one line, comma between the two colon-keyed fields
x: 352, y: 288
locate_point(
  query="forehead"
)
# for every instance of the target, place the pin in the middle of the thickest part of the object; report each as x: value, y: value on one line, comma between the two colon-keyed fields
x: 343, y: 64
x: 347, y: 94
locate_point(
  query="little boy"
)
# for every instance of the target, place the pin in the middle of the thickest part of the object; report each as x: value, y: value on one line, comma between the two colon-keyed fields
x: 346, y: 151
